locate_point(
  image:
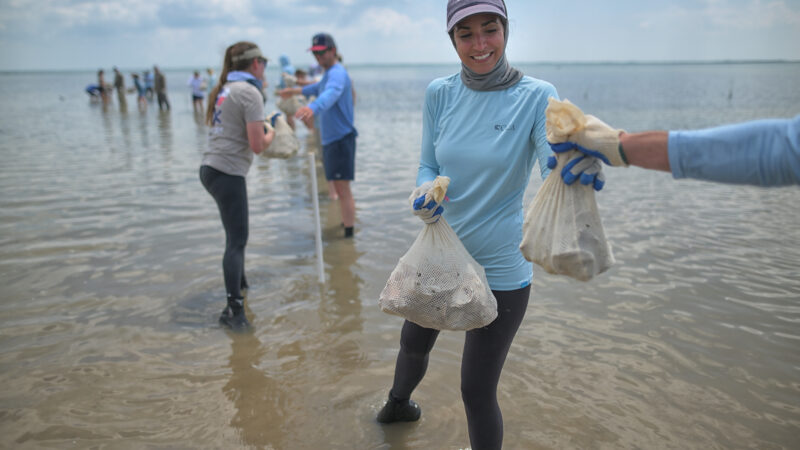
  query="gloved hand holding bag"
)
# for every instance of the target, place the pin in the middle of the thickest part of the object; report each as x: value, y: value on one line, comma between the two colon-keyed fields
x: 437, y: 284
x: 562, y: 231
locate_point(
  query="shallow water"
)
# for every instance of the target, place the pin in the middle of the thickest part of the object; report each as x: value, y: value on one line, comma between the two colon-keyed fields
x: 110, y: 255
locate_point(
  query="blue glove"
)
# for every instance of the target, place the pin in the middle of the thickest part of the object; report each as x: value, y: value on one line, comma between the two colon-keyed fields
x: 269, y: 123
x: 619, y: 158
x: 423, y: 205
x: 581, y: 167
x: 273, y: 118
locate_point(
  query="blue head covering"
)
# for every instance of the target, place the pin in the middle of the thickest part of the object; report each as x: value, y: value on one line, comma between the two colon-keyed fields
x: 286, y: 65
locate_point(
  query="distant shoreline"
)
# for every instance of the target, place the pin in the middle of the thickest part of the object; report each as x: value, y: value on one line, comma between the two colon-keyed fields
x: 408, y: 64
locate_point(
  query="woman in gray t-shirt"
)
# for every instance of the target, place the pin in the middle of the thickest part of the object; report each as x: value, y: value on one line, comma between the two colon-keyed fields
x: 235, y: 116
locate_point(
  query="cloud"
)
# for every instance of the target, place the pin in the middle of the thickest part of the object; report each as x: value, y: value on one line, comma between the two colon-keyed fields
x: 53, y: 17
x: 733, y: 14
x: 382, y: 34
x: 96, y: 33
x: 390, y: 23
x: 97, y: 16
x: 757, y: 14
x: 187, y: 14
x: 386, y: 21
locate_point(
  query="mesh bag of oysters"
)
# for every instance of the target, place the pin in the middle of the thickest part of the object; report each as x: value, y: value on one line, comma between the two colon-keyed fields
x: 437, y: 284
x: 562, y: 231
x: 285, y: 144
x: 290, y: 105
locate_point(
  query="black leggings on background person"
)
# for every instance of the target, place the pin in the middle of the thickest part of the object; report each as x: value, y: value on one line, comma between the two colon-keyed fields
x: 485, y: 351
x: 230, y: 193
x: 163, y: 103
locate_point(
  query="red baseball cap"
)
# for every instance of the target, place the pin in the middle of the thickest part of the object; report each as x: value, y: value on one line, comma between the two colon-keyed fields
x: 322, y: 41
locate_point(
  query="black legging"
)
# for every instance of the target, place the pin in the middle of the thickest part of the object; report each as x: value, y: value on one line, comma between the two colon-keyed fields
x: 230, y: 193
x: 485, y: 351
x: 163, y: 103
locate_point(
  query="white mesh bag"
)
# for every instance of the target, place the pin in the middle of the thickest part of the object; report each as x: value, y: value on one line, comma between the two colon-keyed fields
x: 288, y: 79
x: 437, y: 284
x: 285, y: 144
x: 289, y: 106
x: 562, y: 231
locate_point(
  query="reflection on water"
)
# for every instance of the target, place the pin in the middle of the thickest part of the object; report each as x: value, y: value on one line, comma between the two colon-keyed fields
x: 110, y: 254
x: 258, y: 398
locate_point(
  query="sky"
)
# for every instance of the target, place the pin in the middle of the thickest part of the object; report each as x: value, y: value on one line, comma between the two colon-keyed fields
x: 92, y: 34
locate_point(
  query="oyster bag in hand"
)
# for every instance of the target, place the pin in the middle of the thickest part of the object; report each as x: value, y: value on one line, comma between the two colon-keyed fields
x: 290, y: 105
x: 563, y: 232
x: 437, y: 284
x: 285, y: 144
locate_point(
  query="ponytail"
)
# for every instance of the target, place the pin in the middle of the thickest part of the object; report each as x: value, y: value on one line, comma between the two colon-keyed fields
x: 228, y: 65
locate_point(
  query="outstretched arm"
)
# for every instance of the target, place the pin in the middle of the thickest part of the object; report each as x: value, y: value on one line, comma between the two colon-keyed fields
x: 647, y: 150
x: 761, y: 152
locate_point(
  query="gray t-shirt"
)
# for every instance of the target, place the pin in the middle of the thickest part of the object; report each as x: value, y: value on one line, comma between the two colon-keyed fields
x: 238, y: 103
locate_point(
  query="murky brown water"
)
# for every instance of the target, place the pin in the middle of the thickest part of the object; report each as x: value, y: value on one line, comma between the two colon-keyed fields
x: 110, y: 255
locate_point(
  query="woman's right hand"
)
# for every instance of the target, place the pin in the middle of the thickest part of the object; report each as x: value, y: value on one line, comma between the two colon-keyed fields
x: 423, y: 205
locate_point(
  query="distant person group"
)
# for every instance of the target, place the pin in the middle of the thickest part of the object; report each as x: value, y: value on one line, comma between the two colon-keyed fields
x: 148, y: 86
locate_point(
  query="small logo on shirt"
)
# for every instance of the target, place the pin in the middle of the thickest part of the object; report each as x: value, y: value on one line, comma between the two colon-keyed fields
x: 220, y: 100
x: 501, y: 127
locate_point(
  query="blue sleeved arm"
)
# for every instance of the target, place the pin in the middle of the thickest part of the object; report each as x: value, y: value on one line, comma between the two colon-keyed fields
x: 311, y: 90
x: 336, y: 80
x: 762, y: 153
x: 428, y: 167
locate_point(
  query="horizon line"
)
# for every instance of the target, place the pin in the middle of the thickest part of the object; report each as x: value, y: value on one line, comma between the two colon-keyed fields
x: 401, y: 64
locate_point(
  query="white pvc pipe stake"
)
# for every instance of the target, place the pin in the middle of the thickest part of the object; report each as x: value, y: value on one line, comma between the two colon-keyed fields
x: 318, y: 225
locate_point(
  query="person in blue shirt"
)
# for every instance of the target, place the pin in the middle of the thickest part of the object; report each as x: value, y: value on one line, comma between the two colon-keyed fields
x: 211, y: 79
x: 484, y: 128
x: 334, y: 107
x: 149, y: 83
x: 198, y: 87
x: 286, y: 68
x: 762, y: 152
x: 141, y: 93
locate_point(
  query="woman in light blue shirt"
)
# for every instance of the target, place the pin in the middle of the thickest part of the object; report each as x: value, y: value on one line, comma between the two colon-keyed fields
x: 485, y: 129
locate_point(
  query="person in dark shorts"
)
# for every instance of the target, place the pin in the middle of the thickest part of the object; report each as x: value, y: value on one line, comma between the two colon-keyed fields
x: 334, y: 106
x: 235, y: 117
x: 198, y: 87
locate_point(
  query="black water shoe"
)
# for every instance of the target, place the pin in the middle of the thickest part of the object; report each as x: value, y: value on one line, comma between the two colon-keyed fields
x: 399, y: 411
x: 233, y: 316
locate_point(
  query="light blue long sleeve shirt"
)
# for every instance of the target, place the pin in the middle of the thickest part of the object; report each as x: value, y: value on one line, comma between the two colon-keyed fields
x: 334, y: 104
x: 487, y: 143
x: 762, y: 152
